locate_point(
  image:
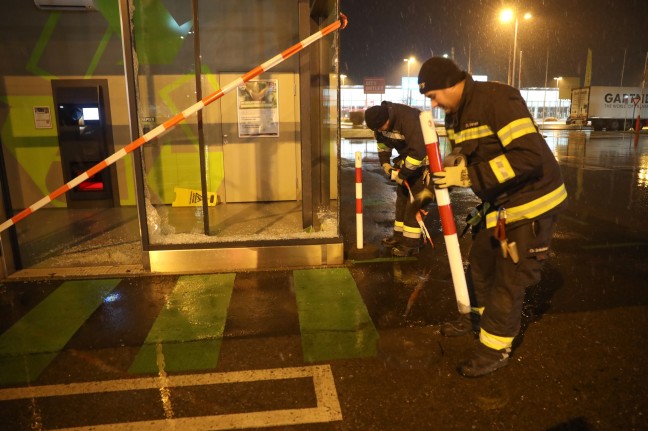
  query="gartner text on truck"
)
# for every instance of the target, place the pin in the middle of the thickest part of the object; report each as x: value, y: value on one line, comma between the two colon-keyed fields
x: 624, y: 98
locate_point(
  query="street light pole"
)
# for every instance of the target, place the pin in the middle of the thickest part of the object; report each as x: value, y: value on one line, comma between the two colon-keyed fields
x: 508, y: 15
x: 558, y: 95
x: 514, y: 50
x: 409, y: 63
x: 520, y: 71
x: 544, y: 103
x: 408, y: 71
x: 407, y: 83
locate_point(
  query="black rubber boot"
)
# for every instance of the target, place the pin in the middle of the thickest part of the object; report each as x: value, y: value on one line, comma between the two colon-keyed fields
x: 484, y: 361
x: 407, y: 247
x: 393, y: 240
x: 466, y: 324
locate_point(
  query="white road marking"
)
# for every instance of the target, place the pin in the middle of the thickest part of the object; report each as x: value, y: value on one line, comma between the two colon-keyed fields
x: 327, y: 410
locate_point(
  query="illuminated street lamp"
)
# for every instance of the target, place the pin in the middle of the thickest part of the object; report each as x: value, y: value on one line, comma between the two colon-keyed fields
x: 409, y: 62
x: 508, y: 15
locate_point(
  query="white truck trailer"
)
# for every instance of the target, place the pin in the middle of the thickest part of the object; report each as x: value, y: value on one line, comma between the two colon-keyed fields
x: 609, y: 108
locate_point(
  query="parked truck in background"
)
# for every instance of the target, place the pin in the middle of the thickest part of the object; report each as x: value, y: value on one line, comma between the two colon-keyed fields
x: 609, y: 108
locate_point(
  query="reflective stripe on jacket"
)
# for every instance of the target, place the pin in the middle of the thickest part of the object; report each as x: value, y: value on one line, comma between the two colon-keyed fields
x: 405, y: 136
x: 509, y: 163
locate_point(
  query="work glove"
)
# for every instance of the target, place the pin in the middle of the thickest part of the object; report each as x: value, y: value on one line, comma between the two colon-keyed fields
x: 395, y: 177
x: 452, y: 176
x: 387, y: 168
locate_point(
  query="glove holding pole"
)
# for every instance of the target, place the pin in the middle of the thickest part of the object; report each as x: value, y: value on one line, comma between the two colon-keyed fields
x: 398, y: 179
x: 393, y: 169
x: 456, y: 175
x: 393, y: 173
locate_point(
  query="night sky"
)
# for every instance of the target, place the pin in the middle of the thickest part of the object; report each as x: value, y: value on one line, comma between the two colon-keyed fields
x: 381, y: 33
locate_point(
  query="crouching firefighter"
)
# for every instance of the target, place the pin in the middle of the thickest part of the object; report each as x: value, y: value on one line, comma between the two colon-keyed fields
x: 397, y: 127
x: 499, y: 153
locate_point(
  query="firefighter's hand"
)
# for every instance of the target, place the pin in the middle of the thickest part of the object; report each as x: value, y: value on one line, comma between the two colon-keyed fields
x: 396, y: 178
x: 387, y: 168
x: 452, y: 176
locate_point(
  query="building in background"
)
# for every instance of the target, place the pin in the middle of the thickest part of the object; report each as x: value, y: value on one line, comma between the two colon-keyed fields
x: 542, y: 102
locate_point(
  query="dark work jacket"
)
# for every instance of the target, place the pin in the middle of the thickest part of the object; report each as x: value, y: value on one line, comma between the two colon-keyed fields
x: 405, y: 136
x: 509, y: 163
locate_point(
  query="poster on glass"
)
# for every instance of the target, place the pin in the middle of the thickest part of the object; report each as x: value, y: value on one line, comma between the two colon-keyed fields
x: 258, y: 109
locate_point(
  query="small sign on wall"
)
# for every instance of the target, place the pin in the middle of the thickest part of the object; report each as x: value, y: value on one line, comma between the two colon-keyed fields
x: 42, y: 117
x: 258, y: 109
x: 374, y: 85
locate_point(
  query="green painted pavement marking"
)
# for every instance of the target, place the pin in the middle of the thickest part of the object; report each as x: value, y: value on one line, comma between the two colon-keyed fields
x: 334, y: 320
x: 28, y: 347
x: 188, y: 332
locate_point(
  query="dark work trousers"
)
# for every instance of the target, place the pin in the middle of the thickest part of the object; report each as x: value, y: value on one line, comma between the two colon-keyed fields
x: 406, y: 210
x: 498, y: 284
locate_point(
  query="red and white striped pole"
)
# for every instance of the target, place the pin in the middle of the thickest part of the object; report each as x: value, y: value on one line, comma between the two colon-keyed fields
x: 358, y: 185
x: 445, y: 211
x: 172, y: 122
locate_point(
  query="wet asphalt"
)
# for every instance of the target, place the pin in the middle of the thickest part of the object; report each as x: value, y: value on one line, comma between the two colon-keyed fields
x: 578, y: 364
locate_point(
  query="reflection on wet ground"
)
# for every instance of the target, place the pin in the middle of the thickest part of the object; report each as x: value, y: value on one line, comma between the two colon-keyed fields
x: 606, y: 176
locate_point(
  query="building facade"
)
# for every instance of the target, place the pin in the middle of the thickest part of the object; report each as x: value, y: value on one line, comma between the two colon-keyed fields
x: 250, y: 181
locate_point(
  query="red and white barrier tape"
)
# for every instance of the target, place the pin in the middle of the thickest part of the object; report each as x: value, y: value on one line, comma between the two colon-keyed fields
x: 358, y: 185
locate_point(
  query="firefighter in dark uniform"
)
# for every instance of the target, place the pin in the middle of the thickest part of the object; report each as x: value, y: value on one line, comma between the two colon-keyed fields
x: 499, y: 153
x: 397, y: 127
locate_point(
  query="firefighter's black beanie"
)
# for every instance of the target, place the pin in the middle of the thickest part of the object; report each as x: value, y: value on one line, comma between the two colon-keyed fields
x: 438, y: 73
x: 376, y: 116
